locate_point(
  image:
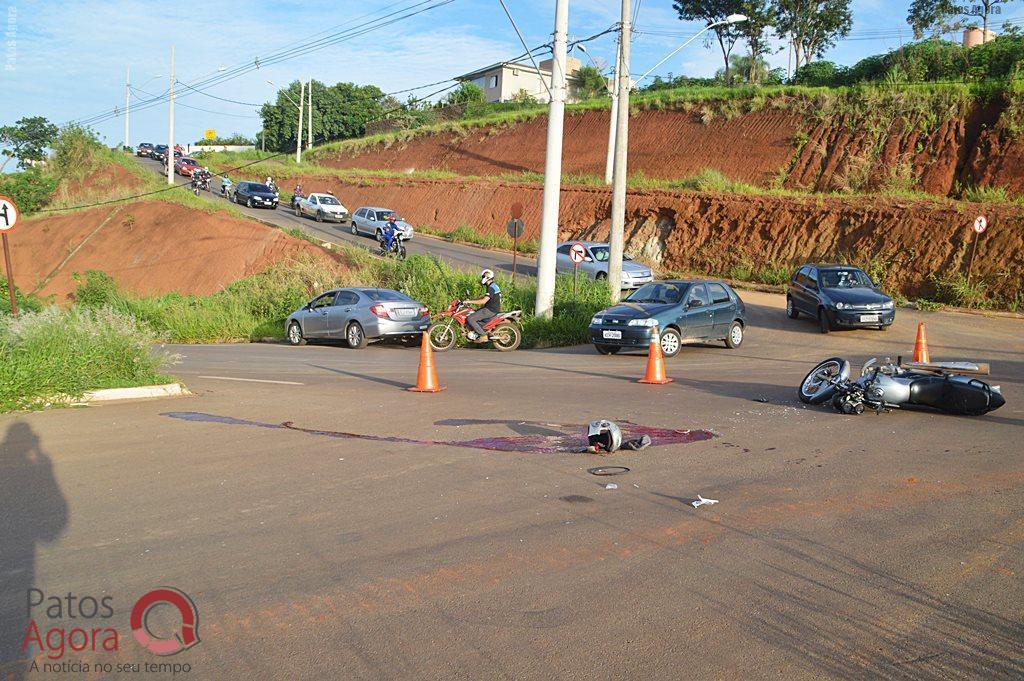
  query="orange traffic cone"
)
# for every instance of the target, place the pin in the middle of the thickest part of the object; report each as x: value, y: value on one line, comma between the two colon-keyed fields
x: 655, y: 362
x: 426, y: 380
x: 921, y: 345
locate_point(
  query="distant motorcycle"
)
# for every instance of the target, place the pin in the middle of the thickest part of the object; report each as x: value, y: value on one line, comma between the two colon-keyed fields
x: 397, y: 247
x: 951, y: 387
x: 503, y: 329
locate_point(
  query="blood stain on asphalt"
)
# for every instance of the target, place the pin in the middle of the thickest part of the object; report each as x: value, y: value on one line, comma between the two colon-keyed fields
x: 544, y: 438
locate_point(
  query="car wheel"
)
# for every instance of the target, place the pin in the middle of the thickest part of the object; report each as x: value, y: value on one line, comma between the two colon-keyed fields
x: 671, y: 343
x: 791, y: 310
x: 319, y: 216
x: 735, y: 337
x: 606, y: 349
x: 600, y: 276
x: 355, y: 230
x: 355, y: 336
x: 295, y: 334
x: 823, y: 321
x: 298, y: 213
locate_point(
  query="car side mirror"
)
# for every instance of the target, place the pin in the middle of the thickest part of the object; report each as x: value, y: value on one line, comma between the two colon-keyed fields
x: 588, y: 259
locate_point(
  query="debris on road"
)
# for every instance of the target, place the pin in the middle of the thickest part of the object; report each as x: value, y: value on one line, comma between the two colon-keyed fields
x: 608, y: 470
x: 701, y: 501
x: 611, y: 485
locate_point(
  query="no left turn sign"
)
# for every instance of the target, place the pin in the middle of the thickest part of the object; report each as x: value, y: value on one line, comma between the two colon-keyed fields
x: 980, y: 224
x: 577, y: 253
x: 8, y: 214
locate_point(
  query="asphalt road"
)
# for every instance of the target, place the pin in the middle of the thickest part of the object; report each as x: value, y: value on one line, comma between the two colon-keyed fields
x: 457, y: 255
x: 885, y: 546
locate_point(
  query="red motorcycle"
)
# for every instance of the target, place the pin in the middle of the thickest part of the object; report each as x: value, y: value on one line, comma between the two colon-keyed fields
x: 504, y: 329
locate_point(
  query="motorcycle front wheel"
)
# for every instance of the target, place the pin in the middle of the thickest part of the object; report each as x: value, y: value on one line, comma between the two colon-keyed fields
x: 816, y: 387
x: 443, y: 335
x: 401, y: 253
x: 506, y: 337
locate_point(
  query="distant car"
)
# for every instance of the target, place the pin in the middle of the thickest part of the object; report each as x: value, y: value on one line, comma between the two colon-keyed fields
x: 159, y: 153
x: 595, y: 264
x: 184, y: 166
x: 254, y: 195
x: 145, y: 149
x: 685, y: 311
x: 322, y: 207
x: 357, y: 315
x: 371, y: 220
x: 838, y: 296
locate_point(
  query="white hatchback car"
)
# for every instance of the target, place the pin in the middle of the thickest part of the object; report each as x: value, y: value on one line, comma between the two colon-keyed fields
x: 322, y: 207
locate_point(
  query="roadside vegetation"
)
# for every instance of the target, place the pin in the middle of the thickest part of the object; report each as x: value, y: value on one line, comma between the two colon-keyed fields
x: 54, y: 355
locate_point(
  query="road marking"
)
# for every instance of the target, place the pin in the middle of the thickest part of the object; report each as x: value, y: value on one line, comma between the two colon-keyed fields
x: 252, y: 380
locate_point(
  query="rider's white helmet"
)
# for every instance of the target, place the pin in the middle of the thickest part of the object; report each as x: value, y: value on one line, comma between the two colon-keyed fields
x: 486, y: 277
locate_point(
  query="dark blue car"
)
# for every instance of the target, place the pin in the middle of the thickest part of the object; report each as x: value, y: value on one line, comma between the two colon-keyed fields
x: 685, y: 311
x: 838, y: 296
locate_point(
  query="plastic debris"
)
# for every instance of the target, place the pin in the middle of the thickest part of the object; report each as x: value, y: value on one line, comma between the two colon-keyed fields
x: 611, y: 485
x: 701, y: 501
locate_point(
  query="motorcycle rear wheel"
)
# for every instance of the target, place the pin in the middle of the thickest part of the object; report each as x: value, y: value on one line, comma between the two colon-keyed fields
x: 506, y: 337
x: 443, y: 335
x: 814, y: 389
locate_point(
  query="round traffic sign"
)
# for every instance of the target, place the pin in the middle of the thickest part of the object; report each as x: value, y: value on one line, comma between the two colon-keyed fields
x: 515, y: 228
x: 980, y: 224
x: 8, y: 214
x: 517, y: 210
x: 577, y: 253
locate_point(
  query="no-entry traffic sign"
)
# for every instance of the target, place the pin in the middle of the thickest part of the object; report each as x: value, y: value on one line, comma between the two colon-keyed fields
x: 8, y: 214
x: 577, y: 253
x: 980, y: 224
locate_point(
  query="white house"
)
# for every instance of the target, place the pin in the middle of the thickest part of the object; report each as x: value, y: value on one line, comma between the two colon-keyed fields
x: 500, y: 82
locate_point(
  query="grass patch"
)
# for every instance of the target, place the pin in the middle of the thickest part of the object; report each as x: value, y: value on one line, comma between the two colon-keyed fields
x: 955, y: 289
x: 467, y: 235
x: 52, y: 354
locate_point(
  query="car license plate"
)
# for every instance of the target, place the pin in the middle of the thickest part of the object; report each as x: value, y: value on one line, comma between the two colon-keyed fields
x: 406, y: 312
x: 612, y: 335
x: 869, y: 318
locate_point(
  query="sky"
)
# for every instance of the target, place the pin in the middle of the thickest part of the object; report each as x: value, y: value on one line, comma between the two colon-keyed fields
x: 66, y: 60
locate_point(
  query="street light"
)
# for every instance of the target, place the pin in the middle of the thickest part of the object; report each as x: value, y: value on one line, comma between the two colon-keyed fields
x: 731, y: 19
x: 285, y: 93
x: 298, y: 140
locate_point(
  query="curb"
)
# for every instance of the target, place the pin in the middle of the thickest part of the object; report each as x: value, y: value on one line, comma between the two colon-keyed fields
x: 141, y: 392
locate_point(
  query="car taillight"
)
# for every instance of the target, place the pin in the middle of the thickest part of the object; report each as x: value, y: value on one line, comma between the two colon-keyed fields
x: 380, y: 311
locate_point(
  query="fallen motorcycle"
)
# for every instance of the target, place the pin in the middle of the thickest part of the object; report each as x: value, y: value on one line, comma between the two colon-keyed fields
x: 503, y: 330
x: 952, y: 387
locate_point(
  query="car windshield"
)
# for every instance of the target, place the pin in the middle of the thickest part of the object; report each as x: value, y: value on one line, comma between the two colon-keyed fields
x: 602, y: 253
x: 851, y: 278
x: 260, y: 188
x: 188, y: 162
x: 383, y: 215
x: 659, y: 293
x: 328, y: 200
x: 386, y: 296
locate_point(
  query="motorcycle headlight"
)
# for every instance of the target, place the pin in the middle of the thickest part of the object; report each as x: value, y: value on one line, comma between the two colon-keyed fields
x: 643, y: 322
x: 597, y: 320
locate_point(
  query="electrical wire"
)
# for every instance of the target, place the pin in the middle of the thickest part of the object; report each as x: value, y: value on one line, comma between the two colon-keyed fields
x: 523, y: 41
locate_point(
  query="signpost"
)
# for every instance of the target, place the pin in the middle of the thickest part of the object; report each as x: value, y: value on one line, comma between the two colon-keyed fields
x: 515, y: 228
x: 979, y: 227
x: 8, y: 218
x: 577, y: 253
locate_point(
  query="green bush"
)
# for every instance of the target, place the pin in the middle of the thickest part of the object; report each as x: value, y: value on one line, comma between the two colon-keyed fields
x: 31, y: 189
x: 26, y: 303
x: 955, y: 289
x: 53, y: 354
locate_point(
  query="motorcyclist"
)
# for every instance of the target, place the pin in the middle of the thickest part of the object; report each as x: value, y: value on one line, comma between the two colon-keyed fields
x: 270, y: 183
x: 490, y: 304
x: 225, y: 182
x: 389, y: 232
x: 297, y: 194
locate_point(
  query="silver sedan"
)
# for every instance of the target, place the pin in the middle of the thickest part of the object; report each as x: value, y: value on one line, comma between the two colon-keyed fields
x: 357, y: 316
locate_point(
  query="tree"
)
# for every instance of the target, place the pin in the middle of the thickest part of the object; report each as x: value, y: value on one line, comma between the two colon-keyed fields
x: 27, y: 140
x: 942, y: 16
x: 813, y: 26
x: 743, y: 66
x: 466, y: 93
x: 590, y: 83
x: 709, y: 12
x: 755, y: 31
x: 340, y: 111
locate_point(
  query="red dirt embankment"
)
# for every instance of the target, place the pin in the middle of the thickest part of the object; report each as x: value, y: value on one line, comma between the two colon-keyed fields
x: 662, y: 144
x: 149, y: 247
x: 910, y: 239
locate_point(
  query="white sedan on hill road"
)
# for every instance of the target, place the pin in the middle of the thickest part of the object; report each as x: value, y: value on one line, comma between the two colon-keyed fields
x: 322, y: 207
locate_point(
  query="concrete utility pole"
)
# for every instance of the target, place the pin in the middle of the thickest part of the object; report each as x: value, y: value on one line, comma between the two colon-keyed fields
x: 610, y: 159
x: 170, y: 126
x: 545, y: 304
x: 127, y: 102
x: 298, y: 142
x: 309, y: 116
x: 617, y: 241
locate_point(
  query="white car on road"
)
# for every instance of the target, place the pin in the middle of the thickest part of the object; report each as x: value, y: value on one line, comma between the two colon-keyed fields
x: 322, y: 207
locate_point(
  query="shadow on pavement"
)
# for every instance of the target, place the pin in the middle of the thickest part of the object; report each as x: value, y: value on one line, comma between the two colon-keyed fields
x: 364, y: 377
x: 32, y: 510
